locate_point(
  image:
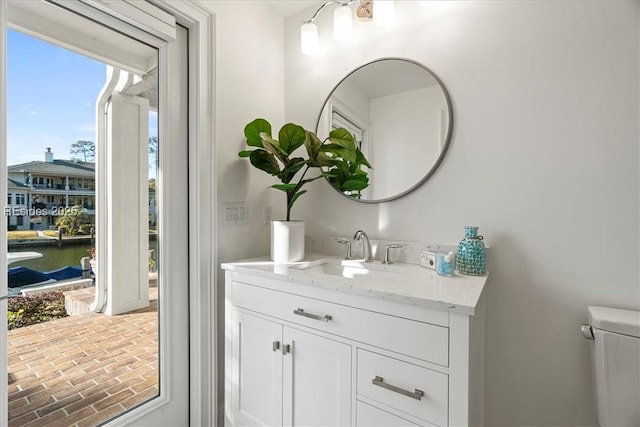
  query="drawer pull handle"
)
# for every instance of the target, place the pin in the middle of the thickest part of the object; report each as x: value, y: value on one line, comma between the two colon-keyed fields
x: 416, y: 394
x: 275, y: 345
x: 301, y: 312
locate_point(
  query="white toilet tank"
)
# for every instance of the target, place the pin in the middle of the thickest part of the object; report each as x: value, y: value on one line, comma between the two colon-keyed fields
x: 615, y: 354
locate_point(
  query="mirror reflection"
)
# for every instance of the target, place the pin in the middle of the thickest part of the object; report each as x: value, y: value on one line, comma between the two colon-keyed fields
x: 401, y: 117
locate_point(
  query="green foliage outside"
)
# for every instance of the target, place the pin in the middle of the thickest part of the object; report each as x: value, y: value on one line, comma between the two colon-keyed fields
x: 29, y: 310
x: 74, y: 221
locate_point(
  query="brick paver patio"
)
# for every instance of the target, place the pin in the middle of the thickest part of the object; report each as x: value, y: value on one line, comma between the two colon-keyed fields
x: 82, y: 370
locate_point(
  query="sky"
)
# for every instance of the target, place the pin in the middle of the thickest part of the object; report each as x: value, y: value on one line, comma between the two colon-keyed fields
x: 51, y: 96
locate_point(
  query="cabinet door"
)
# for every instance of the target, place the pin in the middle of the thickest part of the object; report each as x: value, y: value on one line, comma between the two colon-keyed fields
x: 316, y: 381
x: 257, y: 371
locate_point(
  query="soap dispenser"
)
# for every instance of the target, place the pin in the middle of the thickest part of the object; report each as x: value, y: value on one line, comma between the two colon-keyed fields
x: 446, y: 263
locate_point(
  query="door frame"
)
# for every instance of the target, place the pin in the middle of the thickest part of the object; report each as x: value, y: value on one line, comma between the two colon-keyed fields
x: 203, y: 352
x: 202, y: 214
x: 4, y: 402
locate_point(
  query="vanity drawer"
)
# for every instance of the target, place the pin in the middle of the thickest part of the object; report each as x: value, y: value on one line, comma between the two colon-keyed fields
x: 409, y: 388
x: 370, y: 416
x: 421, y: 340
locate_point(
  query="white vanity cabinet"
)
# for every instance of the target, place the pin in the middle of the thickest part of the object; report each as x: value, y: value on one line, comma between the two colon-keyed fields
x: 285, y: 376
x: 314, y: 353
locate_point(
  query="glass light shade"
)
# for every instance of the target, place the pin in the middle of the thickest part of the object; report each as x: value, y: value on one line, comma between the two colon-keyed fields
x: 342, y: 23
x: 309, y: 39
x: 383, y: 12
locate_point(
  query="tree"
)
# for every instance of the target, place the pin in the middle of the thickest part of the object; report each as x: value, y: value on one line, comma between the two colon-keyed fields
x: 72, y: 219
x: 85, y: 151
x: 153, y: 145
x: 153, y: 152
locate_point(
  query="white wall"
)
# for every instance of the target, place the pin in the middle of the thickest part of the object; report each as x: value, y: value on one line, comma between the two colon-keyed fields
x: 249, y: 83
x: 544, y: 158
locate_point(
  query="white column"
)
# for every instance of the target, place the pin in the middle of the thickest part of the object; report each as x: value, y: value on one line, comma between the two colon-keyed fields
x: 126, y: 197
x: 66, y: 185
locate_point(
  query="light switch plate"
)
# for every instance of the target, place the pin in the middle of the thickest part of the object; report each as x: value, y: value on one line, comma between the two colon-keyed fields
x: 235, y: 213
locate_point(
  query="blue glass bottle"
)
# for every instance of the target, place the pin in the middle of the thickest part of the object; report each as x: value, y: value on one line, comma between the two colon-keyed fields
x: 472, y: 258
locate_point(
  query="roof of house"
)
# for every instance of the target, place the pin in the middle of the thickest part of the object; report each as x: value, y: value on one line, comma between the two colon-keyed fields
x: 15, y: 184
x: 57, y: 167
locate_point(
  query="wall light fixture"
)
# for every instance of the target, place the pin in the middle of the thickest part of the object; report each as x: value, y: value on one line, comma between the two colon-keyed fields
x: 343, y: 21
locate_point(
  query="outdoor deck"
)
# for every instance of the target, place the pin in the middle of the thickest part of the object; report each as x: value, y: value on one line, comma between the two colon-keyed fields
x: 82, y: 370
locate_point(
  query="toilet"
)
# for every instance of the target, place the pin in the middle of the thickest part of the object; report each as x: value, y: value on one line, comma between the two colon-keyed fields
x: 615, y: 356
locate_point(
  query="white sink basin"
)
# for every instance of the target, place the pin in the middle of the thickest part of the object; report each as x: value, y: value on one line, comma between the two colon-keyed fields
x: 347, y: 268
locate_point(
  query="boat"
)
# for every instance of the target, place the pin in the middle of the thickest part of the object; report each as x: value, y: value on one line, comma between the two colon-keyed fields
x: 21, y: 256
x: 27, y: 279
x: 23, y: 276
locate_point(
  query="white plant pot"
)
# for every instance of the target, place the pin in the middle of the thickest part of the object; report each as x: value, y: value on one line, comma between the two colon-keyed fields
x: 94, y: 267
x: 287, y: 241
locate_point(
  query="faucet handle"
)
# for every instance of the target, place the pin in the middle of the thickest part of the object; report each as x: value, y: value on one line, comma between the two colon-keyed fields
x: 348, y: 243
x: 387, y: 260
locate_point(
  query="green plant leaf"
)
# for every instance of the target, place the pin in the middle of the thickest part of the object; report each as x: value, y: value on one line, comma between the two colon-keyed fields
x: 347, y: 155
x: 273, y: 147
x: 343, y: 138
x: 361, y: 159
x: 245, y: 153
x: 322, y: 160
x: 291, y: 137
x: 291, y: 169
x: 265, y: 161
x: 338, y: 152
x: 355, y: 184
x: 284, y: 187
x: 253, y: 130
x: 312, y: 143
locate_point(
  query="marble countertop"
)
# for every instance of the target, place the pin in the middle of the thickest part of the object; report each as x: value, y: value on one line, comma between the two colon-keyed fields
x: 401, y: 282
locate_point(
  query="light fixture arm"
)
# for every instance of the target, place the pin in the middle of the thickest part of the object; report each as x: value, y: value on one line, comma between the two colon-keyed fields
x: 315, y: 15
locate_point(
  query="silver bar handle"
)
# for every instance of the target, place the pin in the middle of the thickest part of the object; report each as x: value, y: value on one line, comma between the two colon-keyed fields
x: 275, y: 345
x: 301, y: 312
x: 286, y: 349
x: 416, y: 394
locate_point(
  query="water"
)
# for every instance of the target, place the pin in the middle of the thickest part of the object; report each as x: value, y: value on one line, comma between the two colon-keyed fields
x: 54, y: 257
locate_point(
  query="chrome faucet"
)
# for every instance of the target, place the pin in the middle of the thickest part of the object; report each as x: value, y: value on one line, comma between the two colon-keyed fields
x: 366, y: 245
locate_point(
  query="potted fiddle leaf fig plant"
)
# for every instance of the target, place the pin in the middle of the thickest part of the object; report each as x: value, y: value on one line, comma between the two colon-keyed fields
x: 336, y: 154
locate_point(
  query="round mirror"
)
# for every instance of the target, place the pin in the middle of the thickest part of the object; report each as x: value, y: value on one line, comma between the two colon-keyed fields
x: 401, y: 117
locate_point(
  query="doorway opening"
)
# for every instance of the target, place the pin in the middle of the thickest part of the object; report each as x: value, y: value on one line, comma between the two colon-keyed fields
x: 83, y: 305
